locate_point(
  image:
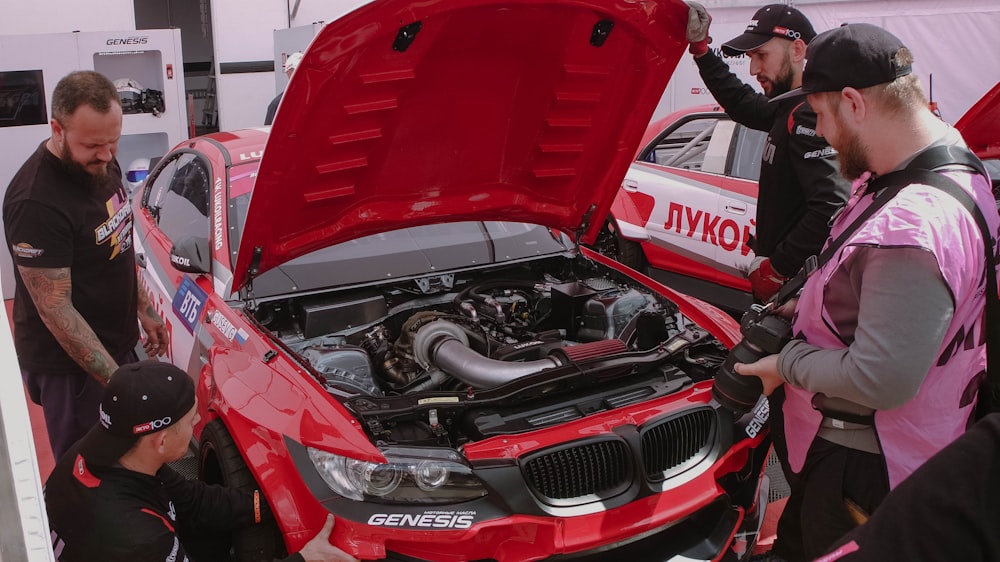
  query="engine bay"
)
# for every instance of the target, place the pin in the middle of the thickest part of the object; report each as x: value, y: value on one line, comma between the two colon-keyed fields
x: 445, y: 359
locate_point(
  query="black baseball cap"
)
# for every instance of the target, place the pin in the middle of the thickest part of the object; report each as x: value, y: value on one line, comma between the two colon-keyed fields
x: 141, y: 398
x: 854, y: 55
x: 773, y: 20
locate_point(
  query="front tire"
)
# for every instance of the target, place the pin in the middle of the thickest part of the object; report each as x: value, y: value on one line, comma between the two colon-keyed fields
x: 610, y: 243
x: 220, y: 462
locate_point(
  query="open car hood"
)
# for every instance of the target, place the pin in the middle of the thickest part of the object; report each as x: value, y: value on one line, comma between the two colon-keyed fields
x: 406, y: 113
x: 980, y: 126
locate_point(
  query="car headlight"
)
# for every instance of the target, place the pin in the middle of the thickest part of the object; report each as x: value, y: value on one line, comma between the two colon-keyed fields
x: 410, y: 475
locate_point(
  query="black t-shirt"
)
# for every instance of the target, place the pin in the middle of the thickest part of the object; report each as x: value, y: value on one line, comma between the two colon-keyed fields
x: 52, y: 220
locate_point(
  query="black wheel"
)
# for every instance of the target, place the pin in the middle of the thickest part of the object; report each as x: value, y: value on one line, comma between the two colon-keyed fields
x: 220, y: 462
x: 610, y: 243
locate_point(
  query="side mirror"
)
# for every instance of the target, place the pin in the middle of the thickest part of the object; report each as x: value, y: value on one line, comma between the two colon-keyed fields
x: 192, y: 255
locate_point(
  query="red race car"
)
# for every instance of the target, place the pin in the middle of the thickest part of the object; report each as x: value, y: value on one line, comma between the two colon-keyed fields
x: 389, y: 316
x: 689, y: 201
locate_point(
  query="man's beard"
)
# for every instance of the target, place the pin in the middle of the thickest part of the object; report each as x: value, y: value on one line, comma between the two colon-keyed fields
x: 80, y: 174
x: 782, y: 83
x: 853, y: 157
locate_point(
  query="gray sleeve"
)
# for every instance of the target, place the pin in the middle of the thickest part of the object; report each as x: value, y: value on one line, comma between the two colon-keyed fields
x: 905, y: 308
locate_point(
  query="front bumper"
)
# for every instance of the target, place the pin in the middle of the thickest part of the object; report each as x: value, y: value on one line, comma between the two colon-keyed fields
x: 709, y: 510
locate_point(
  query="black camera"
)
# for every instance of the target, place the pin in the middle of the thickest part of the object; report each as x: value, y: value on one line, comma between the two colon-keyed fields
x: 764, y: 334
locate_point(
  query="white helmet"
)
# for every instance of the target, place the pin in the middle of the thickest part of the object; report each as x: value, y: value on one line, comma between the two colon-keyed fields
x: 130, y: 94
x: 137, y: 172
x: 292, y: 61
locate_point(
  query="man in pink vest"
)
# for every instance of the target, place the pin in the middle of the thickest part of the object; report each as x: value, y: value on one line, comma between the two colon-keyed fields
x: 888, y: 345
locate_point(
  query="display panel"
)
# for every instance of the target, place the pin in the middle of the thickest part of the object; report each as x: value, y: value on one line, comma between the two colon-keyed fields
x: 22, y: 98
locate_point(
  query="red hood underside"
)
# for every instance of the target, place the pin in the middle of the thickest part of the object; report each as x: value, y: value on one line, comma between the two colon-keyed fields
x: 408, y: 113
x: 980, y: 126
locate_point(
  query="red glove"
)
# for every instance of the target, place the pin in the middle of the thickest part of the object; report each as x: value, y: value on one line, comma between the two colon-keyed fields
x: 697, y: 29
x: 764, y: 280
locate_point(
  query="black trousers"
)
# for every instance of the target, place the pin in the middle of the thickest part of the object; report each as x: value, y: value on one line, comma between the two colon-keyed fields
x: 948, y: 509
x: 817, y: 513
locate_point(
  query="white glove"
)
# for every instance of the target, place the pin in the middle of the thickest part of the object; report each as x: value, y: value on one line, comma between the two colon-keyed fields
x: 698, y: 22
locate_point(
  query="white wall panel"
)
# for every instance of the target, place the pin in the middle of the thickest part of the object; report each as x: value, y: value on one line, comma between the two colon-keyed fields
x: 243, y: 28
x: 245, y: 98
x: 244, y: 33
x: 309, y: 11
x: 59, y: 16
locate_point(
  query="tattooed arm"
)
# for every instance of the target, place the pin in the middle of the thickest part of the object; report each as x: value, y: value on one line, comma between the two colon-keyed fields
x: 51, y: 290
x: 156, y: 332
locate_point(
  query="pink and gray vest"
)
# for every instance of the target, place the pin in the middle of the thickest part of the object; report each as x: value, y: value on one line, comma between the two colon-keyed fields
x: 922, y: 217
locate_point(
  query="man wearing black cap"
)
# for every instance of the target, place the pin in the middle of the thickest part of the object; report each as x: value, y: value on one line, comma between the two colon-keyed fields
x: 799, y: 188
x: 111, y: 497
x: 890, y: 344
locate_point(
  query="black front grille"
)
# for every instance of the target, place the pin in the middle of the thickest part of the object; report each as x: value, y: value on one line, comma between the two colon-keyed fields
x: 676, y: 442
x: 601, y: 469
x: 591, y: 469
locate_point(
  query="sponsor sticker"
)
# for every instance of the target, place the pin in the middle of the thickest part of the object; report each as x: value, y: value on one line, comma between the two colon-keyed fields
x: 25, y: 250
x: 217, y: 214
x: 105, y: 417
x: 229, y: 331
x: 805, y: 131
x: 117, y: 230
x: 189, y: 302
x: 785, y: 32
x: 133, y: 40
x: 180, y: 260
x: 761, y: 412
x: 425, y: 520
x: 821, y: 153
x: 152, y: 425
x: 438, y: 400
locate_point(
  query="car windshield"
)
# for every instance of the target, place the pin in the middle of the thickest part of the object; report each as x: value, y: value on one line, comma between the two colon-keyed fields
x: 409, y: 252
x: 709, y: 142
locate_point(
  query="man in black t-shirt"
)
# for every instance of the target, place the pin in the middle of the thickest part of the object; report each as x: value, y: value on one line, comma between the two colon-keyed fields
x: 68, y: 227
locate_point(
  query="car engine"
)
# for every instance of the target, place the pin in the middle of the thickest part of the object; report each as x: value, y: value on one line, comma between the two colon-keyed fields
x: 444, y: 359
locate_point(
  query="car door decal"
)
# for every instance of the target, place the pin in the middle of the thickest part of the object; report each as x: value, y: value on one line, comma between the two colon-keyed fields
x: 226, y: 327
x: 188, y: 303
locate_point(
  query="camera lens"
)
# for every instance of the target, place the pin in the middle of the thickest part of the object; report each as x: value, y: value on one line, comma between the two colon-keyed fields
x: 735, y: 392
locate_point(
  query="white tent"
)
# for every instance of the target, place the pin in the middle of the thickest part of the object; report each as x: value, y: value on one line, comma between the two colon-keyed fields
x: 955, y: 45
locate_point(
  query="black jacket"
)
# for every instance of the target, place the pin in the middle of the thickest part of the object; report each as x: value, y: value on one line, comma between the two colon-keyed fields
x: 114, y: 514
x: 800, y: 186
x: 272, y: 109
